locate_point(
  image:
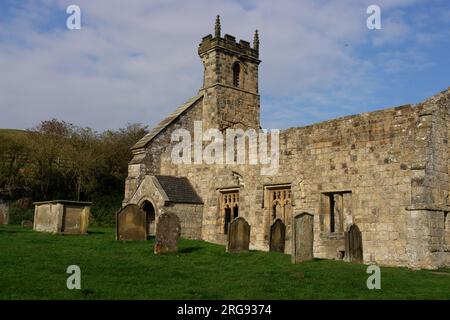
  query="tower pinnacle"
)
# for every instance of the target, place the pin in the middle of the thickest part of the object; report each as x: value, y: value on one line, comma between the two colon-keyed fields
x: 217, y: 27
x: 256, y: 41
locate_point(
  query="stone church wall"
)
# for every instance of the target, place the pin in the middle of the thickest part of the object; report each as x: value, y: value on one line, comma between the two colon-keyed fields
x: 385, y: 171
x: 369, y: 158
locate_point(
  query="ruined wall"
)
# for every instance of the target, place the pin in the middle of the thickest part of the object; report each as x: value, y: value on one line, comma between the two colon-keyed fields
x: 368, y: 157
x: 427, y: 227
x: 379, y: 161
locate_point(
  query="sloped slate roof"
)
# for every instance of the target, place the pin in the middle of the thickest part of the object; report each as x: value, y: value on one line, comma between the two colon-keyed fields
x: 179, y: 189
x: 163, y: 124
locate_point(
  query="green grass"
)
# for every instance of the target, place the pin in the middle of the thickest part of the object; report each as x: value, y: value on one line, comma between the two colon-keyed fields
x: 33, y: 266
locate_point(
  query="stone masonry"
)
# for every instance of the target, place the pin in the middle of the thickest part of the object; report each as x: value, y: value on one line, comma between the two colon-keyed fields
x: 385, y: 171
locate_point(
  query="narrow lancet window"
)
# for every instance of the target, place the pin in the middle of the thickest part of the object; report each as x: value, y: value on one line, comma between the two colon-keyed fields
x: 236, y: 74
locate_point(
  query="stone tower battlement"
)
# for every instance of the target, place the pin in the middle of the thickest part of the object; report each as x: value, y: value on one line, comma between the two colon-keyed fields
x: 229, y: 43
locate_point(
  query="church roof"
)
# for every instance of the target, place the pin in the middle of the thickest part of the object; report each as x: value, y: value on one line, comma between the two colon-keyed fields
x: 163, y: 124
x: 178, y: 189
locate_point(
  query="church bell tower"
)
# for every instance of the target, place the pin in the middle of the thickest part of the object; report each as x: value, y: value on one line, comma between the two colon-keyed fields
x: 230, y: 81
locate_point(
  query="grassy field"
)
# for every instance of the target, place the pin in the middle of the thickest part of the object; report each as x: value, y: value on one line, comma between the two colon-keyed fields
x: 33, y: 266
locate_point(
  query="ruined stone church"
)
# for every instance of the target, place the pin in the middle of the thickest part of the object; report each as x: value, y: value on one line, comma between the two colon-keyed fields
x: 385, y: 171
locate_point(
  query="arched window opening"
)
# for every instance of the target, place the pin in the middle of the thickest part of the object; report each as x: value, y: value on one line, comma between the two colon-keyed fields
x: 236, y: 74
x: 235, y: 211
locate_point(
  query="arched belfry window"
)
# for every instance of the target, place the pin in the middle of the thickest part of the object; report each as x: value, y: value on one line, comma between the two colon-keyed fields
x: 236, y: 74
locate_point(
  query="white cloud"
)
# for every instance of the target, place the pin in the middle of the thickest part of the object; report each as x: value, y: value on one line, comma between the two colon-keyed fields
x: 136, y: 61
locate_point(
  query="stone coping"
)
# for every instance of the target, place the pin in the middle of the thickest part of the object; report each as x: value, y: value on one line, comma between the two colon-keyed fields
x: 428, y: 207
x: 79, y: 203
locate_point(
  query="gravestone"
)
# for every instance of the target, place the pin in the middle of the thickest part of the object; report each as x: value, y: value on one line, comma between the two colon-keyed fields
x: 168, y: 230
x: 238, y: 235
x: 25, y: 203
x: 27, y: 224
x: 4, y: 213
x: 353, y: 244
x: 277, y: 238
x: 303, y: 238
x: 131, y: 223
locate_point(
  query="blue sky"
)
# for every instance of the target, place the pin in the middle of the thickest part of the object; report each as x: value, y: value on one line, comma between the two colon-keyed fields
x: 136, y: 61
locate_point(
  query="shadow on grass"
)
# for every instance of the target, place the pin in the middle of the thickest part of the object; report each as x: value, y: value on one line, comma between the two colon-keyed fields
x: 87, y: 292
x: 8, y: 231
x: 191, y: 249
x: 96, y: 232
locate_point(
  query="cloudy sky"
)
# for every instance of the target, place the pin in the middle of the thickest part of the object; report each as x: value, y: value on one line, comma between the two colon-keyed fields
x: 136, y: 60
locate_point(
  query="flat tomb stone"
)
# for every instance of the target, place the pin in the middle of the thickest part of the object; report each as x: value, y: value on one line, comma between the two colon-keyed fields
x: 62, y: 216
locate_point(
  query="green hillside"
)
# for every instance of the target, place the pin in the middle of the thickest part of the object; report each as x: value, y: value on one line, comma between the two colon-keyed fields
x: 12, y: 133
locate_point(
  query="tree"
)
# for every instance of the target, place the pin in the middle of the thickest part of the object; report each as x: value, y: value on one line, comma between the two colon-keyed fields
x: 12, y: 162
x: 47, y: 146
x: 60, y: 160
x: 83, y: 160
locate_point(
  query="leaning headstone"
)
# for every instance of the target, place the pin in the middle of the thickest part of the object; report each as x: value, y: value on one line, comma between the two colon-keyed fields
x: 27, y: 224
x: 168, y: 230
x: 303, y: 238
x: 277, y: 236
x: 130, y: 223
x: 238, y: 235
x: 353, y: 244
